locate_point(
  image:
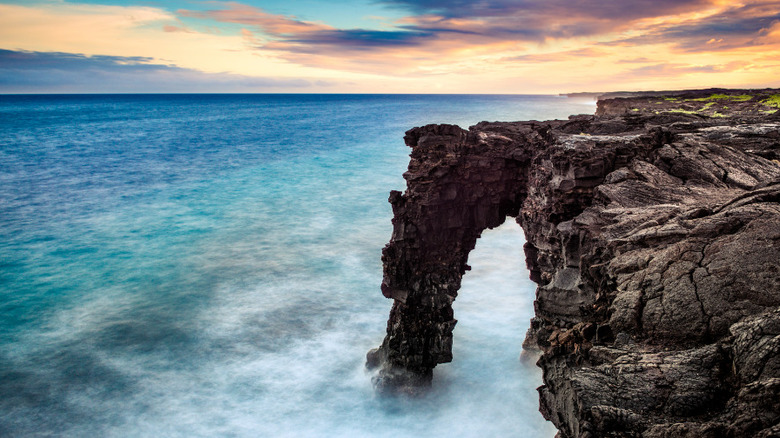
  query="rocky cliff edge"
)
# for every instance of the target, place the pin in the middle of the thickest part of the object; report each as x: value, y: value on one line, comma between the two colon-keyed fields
x: 653, y: 233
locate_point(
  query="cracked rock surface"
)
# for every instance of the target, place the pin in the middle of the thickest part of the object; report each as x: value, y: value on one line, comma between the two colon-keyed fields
x: 654, y: 238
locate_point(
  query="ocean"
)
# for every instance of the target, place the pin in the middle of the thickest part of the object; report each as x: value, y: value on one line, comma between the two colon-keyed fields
x: 209, y: 266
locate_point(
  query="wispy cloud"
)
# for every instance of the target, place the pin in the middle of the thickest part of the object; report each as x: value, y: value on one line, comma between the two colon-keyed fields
x: 398, y: 50
x: 288, y: 32
x: 671, y: 69
x: 51, y: 72
x: 597, y: 9
x: 538, y: 20
x: 273, y: 24
x: 356, y: 39
x: 567, y: 55
x: 746, y: 25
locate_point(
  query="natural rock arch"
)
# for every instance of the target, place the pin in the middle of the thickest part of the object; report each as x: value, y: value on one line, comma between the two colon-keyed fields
x: 458, y: 186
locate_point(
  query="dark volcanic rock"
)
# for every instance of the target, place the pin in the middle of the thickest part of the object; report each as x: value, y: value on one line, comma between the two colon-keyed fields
x: 653, y: 232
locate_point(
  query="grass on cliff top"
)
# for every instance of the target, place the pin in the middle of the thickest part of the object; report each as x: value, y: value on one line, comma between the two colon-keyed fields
x: 773, y: 100
x: 697, y: 111
x: 736, y: 98
x: 679, y: 110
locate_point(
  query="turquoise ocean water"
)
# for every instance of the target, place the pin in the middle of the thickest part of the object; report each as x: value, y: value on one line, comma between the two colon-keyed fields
x: 209, y: 265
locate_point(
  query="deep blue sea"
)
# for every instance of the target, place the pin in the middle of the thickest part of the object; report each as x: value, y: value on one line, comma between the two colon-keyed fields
x: 209, y: 266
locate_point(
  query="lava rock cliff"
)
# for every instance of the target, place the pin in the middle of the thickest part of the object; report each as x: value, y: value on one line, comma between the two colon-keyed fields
x: 653, y: 233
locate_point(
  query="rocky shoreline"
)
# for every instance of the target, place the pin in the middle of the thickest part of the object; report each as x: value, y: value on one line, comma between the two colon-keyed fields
x: 653, y: 233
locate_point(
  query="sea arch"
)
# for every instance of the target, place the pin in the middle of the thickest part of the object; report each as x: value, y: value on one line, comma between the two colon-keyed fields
x: 459, y: 183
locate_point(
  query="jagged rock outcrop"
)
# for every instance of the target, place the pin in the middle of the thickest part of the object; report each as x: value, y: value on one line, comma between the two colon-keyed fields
x: 653, y: 232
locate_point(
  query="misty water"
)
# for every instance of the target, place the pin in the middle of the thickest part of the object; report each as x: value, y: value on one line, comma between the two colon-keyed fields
x: 209, y: 265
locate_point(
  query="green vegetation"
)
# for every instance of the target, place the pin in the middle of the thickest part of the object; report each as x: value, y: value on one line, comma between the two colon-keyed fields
x: 773, y: 100
x: 714, y: 105
x: 710, y: 98
x: 741, y: 98
x: 680, y: 110
x: 736, y: 98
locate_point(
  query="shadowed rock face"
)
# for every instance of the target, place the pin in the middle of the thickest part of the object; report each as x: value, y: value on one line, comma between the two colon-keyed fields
x: 654, y: 236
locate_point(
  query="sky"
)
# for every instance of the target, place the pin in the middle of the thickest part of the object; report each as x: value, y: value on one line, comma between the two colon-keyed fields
x: 386, y: 46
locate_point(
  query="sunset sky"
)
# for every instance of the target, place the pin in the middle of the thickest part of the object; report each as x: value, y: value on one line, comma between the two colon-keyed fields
x: 386, y: 46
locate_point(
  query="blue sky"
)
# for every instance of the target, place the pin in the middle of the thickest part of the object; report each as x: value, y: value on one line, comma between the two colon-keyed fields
x: 456, y: 46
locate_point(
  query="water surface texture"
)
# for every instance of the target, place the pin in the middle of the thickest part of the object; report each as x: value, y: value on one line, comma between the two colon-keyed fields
x: 209, y: 265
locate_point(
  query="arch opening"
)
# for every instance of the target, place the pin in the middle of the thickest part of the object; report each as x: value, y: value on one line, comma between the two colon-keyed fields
x: 487, y: 377
x: 495, y: 305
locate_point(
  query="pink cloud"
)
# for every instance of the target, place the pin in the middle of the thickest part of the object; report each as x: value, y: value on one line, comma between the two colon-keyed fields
x: 251, y: 16
x: 170, y: 28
